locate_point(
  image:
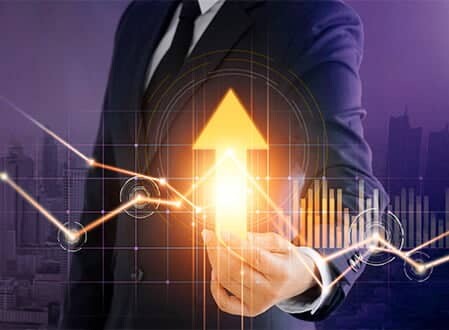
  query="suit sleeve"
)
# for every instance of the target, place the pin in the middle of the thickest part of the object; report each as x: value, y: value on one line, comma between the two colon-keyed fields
x: 91, y: 269
x: 328, y: 64
x: 90, y: 289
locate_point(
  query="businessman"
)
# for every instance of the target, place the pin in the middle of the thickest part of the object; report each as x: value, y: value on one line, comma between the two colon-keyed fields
x: 172, y: 63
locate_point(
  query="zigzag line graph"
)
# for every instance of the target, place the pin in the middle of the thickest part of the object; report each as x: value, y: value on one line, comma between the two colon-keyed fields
x: 372, y: 244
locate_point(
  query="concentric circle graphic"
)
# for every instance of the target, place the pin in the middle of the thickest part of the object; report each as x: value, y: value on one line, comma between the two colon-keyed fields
x: 144, y: 189
x: 379, y: 234
x: 421, y: 273
x: 74, y: 242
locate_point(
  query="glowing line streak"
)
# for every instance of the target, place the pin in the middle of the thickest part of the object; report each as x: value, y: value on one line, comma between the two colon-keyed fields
x: 110, y: 215
x: 92, y: 162
x: 399, y: 253
x: 107, y: 217
x: 423, y: 245
x: 36, y: 205
x: 206, y: 176
x: 161, y: 181
x: 177, y: 193
x: 126, y: 172
x: 311, y: 272
x: 272, y: 204
x: 348, y: 249
x: 74, y: 234
x: 436, y: 262
x: 48, y: 131
x: 391, y: 249
x: 343, y: 273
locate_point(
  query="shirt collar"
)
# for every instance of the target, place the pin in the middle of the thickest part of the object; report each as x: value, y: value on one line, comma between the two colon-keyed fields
x: 205, y: 5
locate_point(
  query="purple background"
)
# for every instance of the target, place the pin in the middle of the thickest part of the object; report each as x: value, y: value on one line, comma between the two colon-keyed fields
x: 54, y: 60
x: 55, y: 57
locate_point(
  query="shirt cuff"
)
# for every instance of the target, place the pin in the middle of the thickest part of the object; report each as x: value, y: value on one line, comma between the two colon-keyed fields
x: 300, y: 303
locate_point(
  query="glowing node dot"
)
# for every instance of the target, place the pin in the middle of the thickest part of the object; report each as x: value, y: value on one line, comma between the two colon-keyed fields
x: 3, y: 176
x: 162, y: 181
x: 289, y: 178
x: 72, y: 237
x: 242, y: 273
x: 198, y: 209
x: 178, y: 204
x: 138, y: 197
x: 325, y: 291
x: 420, y: 269
x: 193, y: 224
x: 230, y: 152
x: 372, y: 247
x: 91, y: 162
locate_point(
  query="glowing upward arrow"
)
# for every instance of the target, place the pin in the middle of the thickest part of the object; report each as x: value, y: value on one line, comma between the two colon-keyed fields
x: 230, y: 131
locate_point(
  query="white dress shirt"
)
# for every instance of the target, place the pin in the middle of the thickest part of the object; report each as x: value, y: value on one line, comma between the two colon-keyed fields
x: 210, y: 8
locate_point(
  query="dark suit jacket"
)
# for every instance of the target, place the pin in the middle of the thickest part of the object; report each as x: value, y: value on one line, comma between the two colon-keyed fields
x: 294, y: 64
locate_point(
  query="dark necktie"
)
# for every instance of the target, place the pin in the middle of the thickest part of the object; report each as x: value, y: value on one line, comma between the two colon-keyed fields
x: 174, y: 58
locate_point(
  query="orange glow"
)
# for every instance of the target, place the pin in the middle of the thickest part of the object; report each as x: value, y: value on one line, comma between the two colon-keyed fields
x: 230, y: 132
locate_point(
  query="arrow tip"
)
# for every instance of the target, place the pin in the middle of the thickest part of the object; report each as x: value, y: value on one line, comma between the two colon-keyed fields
x: 230, y: 127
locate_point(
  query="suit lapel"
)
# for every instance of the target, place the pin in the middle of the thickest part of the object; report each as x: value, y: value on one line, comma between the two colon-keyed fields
x: 226, y: 29
x: 230, y: 23
x: 138, y: 38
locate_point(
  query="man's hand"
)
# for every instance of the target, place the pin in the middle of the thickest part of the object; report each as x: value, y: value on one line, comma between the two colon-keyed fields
x: 251, y: 275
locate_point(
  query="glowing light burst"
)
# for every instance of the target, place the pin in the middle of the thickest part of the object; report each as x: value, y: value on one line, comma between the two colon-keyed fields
x: 231, y: 133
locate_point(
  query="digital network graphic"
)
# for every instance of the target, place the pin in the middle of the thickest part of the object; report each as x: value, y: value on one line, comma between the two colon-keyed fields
x: 376, y: 237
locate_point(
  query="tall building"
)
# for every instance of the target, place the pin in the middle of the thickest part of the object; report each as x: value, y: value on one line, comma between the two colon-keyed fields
x: 403, y: 156
x: 74, y: 178
x: 17, y: 214
x: 8, y: 255
x: 47, y: 231
x: 49, y: 166
x: 8, y: 298
x: 437, y: 168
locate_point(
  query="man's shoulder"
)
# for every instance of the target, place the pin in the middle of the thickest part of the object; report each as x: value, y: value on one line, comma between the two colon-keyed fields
x: 140, y: 11
x: 308, y: 21
x: 310, y: 13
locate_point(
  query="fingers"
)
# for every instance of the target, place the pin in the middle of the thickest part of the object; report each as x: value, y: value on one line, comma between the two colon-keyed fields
x: 263, y: 252
x: 232, y: 273
x: 225, y: 268
x: 250, y: 276
x: 270, y: 241
x: 260, y: 251
x: 226, y: 302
